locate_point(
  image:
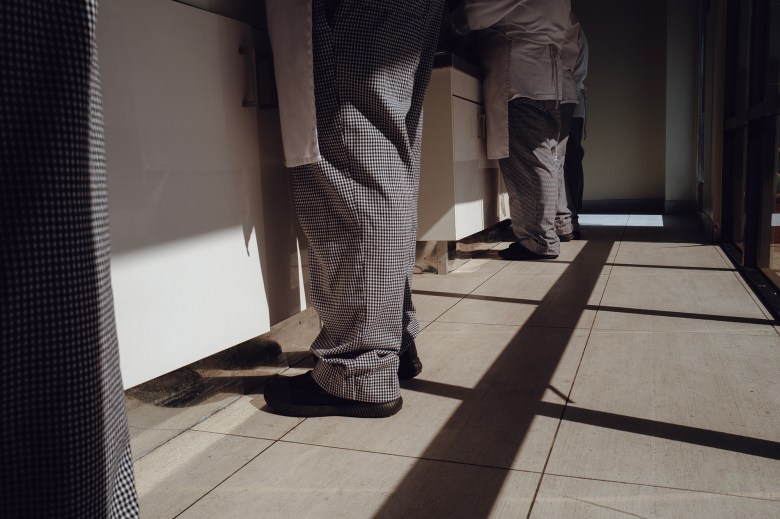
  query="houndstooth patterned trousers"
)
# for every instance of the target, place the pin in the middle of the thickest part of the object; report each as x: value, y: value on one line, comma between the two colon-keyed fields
x: 64, y: 444
x: 358, y: 205
x: 533, y: 173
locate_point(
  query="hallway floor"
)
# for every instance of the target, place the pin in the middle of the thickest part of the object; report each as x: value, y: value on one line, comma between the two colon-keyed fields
x: 635, y: 376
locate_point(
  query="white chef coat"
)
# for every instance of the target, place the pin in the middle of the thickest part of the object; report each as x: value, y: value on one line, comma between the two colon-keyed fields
x: 290, y: 30
x: 569, y: 55
x: 580, y: 72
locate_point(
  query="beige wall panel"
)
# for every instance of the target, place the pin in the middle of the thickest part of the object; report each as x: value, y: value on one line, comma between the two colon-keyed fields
x: 625, y: 149
x: 682, y: 65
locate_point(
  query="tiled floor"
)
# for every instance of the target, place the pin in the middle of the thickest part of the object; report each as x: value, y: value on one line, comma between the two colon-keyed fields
x: 635, y: 376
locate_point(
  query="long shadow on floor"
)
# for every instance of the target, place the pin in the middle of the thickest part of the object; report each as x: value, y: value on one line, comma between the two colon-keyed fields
x: 501, y: 428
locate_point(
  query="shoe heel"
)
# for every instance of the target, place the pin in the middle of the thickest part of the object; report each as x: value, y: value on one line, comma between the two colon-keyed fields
x: 410, y: 370
x: 377, y: 410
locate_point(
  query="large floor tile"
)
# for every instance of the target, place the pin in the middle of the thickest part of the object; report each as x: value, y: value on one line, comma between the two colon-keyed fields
x: 601, y: 234
x: 591, y: 499
x: 665, y: 228
x: 645, y: 220
x: 603, y: 220
x: 476, y: 401
x: 301, y: 481
x: 586, y: 256
x: 144, y: 441
x: 531, y: 301
x: 548, y: 294
x: 756, y: 299
x: 182, y: 471
x: 689, y: 411
x: 635, y: 258
x: 245, y: 418
x: 153, y: 425
x: 701, y: 302
x: 457, y: 282
x: 482, y: 263
x: 430, y: 306
x: 725, y: 257
x: 589, y: 254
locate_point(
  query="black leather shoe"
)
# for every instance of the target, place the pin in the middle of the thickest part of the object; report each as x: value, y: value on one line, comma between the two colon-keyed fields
x: 517, y: 252
x: 409, y: 365
x: 566, y: 237
x: 302, y: 396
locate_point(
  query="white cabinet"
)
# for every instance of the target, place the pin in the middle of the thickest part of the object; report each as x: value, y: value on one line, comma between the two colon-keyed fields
x: 204, y: 253
x: 460, y: 190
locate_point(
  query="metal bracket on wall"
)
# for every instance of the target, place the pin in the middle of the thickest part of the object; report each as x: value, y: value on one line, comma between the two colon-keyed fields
x: 250, y: 89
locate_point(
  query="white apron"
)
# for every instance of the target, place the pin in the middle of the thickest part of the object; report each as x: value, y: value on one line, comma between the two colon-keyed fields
x: 289, y: 27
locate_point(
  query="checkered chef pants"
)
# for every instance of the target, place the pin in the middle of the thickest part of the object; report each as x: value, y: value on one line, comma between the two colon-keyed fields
x: 358, y: 204
x: 534, y: 175
x: 64, y: 444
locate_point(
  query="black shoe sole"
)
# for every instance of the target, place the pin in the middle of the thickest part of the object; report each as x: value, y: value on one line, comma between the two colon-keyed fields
x: 566, y: 237
x: 530, y: 256
x: 357, y: 410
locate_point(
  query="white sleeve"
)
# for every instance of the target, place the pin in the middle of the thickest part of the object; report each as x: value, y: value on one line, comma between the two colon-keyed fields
x: 581, y: 67
x: 290, y: 31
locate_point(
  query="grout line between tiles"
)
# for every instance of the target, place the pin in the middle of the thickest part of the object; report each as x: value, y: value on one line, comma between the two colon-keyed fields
x: 225, y: 479
x: 396, y: 455
x: 619, y: 242
x: 273, y: 442
x: 746, y: 333
x: 142, y: 456
x: 558, y: 426
x: 458, y: 300
x: 571, y: 390
x: 525, y: 326
x: 762, y: 308
x: 156, y: 428
x: 181, y: 431
x: 281, y: 438
x: 191, y: 427
x: 664, y: 487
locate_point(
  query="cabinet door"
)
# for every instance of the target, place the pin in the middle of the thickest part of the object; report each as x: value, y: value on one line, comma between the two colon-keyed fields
x: 468, y: 131
x: 470, y: 185
x: 184, y: 182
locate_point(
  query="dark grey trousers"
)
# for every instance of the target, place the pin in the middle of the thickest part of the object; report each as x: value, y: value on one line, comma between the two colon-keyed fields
x: 533, y: 173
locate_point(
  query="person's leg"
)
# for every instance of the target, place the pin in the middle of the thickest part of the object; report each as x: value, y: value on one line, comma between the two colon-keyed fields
x: 531, y: 174
x: 573, y: 172
x: 563, y: 218
x: 357, y: 206
x: 65, y: 449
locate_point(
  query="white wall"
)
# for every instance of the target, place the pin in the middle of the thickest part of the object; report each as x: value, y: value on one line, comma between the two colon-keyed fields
x: 625, y: 149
